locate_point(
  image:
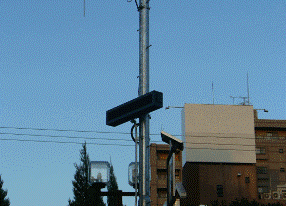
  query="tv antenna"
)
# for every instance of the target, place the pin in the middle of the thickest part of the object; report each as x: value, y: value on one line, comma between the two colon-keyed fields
x: 245, y: 99
x: 83, y: 8
x: 233, y: 99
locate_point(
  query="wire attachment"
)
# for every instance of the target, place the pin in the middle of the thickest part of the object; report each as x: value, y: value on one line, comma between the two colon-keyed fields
x: 132, y: 128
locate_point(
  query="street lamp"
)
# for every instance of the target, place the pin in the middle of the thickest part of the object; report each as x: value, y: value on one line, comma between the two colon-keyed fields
x: 173, y: 107
x: 98, y: 177
x: 99, y: 172
x: 263, y: 110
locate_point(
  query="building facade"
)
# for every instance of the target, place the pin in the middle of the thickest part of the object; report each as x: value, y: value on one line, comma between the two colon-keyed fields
x: 270, y: 139
x: 219, y: 153
x: 229, y: 153
x: 158, y: 184
x: 208, y: 181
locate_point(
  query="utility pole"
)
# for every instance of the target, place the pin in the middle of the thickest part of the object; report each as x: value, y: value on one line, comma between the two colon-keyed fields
x: 144, y: 139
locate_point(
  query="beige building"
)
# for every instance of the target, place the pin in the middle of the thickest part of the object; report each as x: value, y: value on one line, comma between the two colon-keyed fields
x: 219, y: 153
x: 218, y: 133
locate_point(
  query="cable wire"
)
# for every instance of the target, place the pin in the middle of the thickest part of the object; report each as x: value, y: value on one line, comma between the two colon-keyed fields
x: 63, y: 130
x: 106, y: 132
x: 48, y: 141
x: 69, y: 137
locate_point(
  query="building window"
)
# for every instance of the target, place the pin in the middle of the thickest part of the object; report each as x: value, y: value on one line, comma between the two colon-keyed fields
x: 219, y: 190
x: 282, y: 169
x: 161, y: 193
x: 164, y: 156
x: 260, y: 150
x: 162, y: 174
x: 177, y: 176
x: 268, y: 134
x: 280, y: 150
x: 273, y: 135
x: 261, y: 170
x: 247, y: 180
x: 263, y: 189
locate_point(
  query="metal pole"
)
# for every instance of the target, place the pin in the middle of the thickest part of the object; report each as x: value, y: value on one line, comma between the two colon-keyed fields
x: 144, y: 140
x: 171, y: 175
x: 136, y: 164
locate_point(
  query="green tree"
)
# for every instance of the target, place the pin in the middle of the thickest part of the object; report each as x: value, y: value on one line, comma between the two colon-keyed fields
x: 83, y: 193
x: 112, y: 187
x: 3, y: 193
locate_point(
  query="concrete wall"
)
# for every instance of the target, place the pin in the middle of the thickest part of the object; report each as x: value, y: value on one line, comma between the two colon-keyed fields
x: 218, y: 133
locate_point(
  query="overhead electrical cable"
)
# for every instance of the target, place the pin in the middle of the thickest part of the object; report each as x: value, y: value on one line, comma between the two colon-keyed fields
x: 104, y: 132
x: 48, y: 141
x: 63, y: 130
x: 58, y: 136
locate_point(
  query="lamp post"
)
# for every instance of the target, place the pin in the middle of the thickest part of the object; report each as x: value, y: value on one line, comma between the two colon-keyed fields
x: 173, y: 107
x: 265, y: 110
x: 99, y: 172
x: 255, y: 112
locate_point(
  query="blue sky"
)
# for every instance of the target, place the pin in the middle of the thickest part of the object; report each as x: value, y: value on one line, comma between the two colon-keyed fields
x: 61, y: 70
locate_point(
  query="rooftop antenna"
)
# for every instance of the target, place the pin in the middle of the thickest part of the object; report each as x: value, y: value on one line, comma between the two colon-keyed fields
x: 83, y: 8
x: 245, y: 99
x: 247, y: 90
x: 213, y: 91
x: 233, y: 99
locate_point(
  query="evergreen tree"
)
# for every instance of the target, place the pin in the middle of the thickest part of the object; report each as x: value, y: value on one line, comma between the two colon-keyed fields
x: 112, y: 187
x: 3, y: 193
x: 83, y: 195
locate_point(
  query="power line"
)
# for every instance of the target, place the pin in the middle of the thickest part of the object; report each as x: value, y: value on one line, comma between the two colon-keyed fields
x: 69, y: 130
x: 48, y: 141
x: 89, y: 138
x: 51, y: 141
x: 63, y: 130
x: 70, y: 137
x: 104, y: 132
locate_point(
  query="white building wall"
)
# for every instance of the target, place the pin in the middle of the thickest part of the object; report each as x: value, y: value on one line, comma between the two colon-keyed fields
x: 218, y: 133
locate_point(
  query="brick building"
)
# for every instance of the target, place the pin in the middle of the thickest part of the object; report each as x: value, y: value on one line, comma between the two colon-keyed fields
x: 158, y: 184
x: 270, y: 139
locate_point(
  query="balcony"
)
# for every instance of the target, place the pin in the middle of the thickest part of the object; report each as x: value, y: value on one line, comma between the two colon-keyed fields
x: 269, y: 138
x: 262, y: 157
